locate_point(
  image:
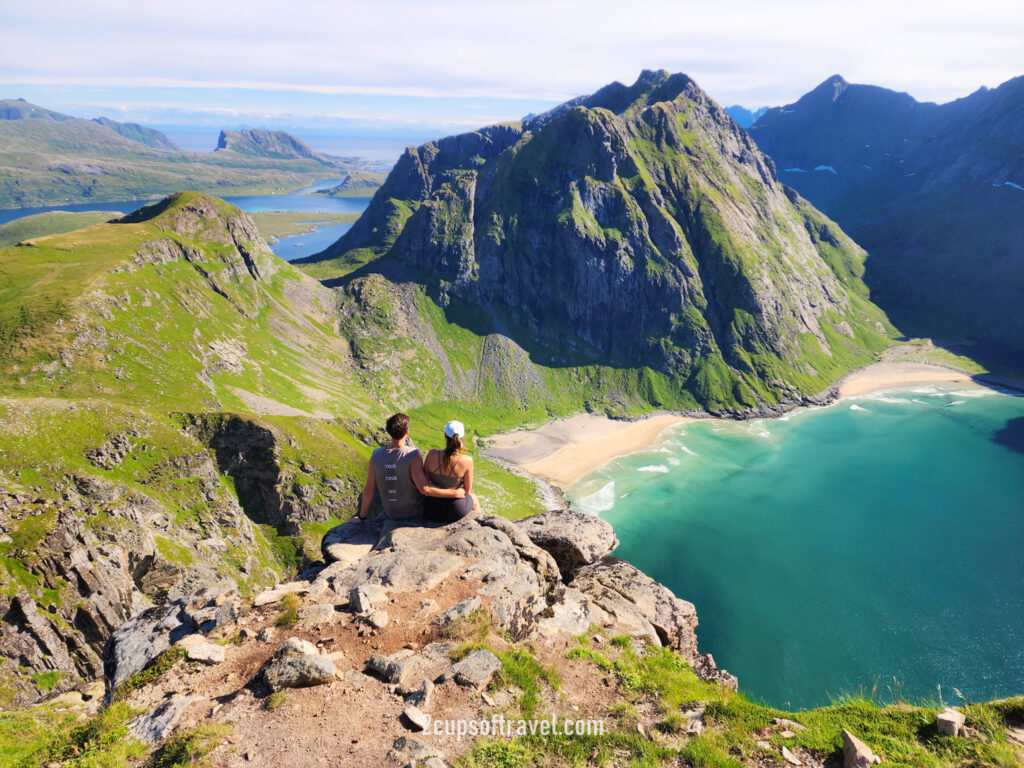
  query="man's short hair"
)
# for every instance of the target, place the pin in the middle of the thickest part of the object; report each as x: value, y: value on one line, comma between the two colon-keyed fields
x: 398, y: 426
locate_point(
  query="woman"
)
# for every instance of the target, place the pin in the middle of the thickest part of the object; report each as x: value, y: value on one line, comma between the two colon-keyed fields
x: 449, y: 468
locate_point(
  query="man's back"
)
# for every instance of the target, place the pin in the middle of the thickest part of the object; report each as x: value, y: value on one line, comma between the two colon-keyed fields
x: 398, y: 493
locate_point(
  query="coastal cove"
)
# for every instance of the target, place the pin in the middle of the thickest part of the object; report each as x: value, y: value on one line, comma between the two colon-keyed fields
x: 908, y: 579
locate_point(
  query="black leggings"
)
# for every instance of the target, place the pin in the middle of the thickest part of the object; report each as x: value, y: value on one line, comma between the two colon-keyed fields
x: 447, y: 510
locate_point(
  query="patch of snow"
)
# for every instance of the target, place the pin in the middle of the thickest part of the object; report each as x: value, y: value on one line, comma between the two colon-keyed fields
x: 826, y: 168
x: 794, y: 170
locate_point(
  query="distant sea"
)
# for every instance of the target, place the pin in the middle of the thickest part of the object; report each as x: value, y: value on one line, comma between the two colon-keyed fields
x: 873, y: 545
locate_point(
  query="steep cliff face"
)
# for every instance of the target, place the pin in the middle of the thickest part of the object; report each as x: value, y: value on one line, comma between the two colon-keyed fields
x: 638, y: 228
x: 935, y: 192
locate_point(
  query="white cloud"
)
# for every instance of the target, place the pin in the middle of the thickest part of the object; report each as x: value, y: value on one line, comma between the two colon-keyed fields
x: 740, y: 51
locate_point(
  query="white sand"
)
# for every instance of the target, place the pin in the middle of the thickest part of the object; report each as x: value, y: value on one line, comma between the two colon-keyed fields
x: 564, y: 450
x: 893, y: 375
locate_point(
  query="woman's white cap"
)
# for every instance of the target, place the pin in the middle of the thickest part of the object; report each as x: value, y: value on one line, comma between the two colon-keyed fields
x: 455, y: 429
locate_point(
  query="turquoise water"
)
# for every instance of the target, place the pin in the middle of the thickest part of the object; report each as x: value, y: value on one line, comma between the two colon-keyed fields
x: 877, y: 543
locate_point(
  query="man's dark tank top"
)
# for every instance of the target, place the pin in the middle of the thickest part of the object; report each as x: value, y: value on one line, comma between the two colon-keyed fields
x: 398, y: 493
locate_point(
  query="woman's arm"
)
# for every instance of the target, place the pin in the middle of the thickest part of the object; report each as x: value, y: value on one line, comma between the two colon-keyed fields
x: 467, y: 478
x: 419, y: 478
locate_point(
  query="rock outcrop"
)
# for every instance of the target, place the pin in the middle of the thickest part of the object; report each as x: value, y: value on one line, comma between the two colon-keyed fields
x: 523, y: 590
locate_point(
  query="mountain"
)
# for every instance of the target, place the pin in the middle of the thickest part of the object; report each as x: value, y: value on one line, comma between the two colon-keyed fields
x: 51, y: 159
x: 178, y: 411
x: 745, y: 117
x: 140, y: 133
x: 935, y: 193
x: 259, y: 142
x: 633, y: 241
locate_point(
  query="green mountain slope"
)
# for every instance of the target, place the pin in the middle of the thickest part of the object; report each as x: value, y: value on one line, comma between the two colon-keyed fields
x: 934, y: 192
x: 636, y: 232
x: 179, y: 409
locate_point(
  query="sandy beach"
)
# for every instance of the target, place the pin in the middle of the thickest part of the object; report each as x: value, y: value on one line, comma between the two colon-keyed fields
x: 564, y: 450
x: 882, y: 376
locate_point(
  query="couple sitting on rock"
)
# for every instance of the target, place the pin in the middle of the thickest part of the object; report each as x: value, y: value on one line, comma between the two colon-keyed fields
x: 411, y: 488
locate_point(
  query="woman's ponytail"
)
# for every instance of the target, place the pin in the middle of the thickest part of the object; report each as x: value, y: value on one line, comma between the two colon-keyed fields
x: 453, y: 445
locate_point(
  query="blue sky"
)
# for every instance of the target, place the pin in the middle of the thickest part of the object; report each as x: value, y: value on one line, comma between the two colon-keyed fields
x: 424, y: 68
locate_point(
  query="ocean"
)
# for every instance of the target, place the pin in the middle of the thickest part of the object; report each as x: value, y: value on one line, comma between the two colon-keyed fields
x: 872, y: 546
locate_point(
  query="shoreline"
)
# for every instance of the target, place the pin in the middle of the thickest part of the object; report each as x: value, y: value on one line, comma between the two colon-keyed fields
x: 562, y: 451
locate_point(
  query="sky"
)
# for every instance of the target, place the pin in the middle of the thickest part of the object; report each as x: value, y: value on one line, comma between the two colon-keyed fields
x: 392, y: 68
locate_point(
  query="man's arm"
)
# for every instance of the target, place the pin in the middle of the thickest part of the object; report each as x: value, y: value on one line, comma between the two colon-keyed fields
x: 368, y: 489
x: 419, y: 478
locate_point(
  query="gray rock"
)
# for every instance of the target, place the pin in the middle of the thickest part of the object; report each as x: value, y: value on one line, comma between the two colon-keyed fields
x: 154, y: 726
x: 422, y: 697
x: 475, y: 671
x: 857, y: 754
x: 367, y: 597
x: 789, y: 757
x: 297, y: 664
x: 459, y: 611
x: 390, y: 670
x: 318, y: 613
x: 378, y: 619
x: 200, y: 649
x: 950, y: 722
x: 574, y: 539
x: 416, y: 717
x: 414, y: 748
x: 144, y: 637
x: 434, y: 762
x: 271, y: 596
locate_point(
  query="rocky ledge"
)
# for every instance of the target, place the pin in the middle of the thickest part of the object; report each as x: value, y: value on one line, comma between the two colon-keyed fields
x: 378, y: 631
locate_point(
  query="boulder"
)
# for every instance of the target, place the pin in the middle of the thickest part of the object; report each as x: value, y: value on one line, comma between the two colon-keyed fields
x: 271, y: 596
x: 950, y: 722
x: 367, y: 597
x: 459, y: 611
x: 475, y: 671
x: 416, y: 717
x: 297, y: 664
x: 318, y: 613
x: 857, y: 754
x: 422, y: 697
x: 154, y: 726
x: 378, y: 619
x: 390, y: 669
x: 200, y: 649
x: 144, y: 637
x: 573, y: 539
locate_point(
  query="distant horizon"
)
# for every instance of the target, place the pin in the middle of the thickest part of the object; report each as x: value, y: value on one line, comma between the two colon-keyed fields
x: 342, y: 136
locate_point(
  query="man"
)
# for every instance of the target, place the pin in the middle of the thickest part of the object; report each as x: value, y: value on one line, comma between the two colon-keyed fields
x: 396, y: 472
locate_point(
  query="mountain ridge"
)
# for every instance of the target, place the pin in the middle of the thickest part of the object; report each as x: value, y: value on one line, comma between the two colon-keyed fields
x: 683, y: 219
x: 931, y: 190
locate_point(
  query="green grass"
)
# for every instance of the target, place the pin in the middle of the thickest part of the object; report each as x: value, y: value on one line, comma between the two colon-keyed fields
x: 188, y: 750
x: 53, y: 223
x: 289, y: 613
x: 658, y: 680
x: 102, y: 741
x: 153, y: 672
x: 278, y: 224
x: 521, y: 669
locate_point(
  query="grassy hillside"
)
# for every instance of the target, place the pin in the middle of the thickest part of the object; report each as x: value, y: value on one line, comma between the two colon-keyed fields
x: 55, y: 223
